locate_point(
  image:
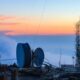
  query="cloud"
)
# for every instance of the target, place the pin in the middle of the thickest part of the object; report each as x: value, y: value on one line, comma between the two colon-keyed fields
x: 8, y: 51
x: 8, y: 23
x: 7, y: 48
x: 4, y: 32
x: 3, y: 17
x: 55, y: 58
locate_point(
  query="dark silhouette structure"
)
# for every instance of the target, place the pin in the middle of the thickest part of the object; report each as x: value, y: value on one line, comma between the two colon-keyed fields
x: 78, y: 44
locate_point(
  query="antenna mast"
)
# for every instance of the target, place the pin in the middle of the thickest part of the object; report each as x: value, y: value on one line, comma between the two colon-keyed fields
x: 78, y: 44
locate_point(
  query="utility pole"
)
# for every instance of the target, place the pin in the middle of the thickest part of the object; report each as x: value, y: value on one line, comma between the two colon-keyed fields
x: 78, y: 45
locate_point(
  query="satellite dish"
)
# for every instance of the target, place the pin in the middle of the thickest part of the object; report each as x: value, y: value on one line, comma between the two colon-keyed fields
x: 23, y: 55
x: 38, y: 57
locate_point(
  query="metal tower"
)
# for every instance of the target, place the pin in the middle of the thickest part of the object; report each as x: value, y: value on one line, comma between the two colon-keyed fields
x: 78, y: 44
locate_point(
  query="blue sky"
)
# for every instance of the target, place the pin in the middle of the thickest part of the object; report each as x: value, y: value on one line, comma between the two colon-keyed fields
x: 26, y: 7
x: 58, y: 14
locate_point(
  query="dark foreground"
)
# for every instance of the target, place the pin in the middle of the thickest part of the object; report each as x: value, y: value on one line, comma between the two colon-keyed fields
x: 48, y: 72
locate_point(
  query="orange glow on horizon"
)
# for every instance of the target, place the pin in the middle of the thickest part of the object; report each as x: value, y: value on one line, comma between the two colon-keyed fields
x: 31, y: 26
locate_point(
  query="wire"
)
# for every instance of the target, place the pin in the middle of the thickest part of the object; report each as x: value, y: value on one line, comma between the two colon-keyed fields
x: 39, y: 25
x: 8, y: 59
x: 41, y: 17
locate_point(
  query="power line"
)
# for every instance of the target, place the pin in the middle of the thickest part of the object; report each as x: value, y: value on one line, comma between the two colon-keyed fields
x: 41, y: 17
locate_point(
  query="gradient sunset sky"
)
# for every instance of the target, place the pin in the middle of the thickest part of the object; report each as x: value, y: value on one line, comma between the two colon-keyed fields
x: 43, y: 17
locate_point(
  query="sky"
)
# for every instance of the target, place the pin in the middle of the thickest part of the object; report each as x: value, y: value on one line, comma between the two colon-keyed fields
x: 38, y: 17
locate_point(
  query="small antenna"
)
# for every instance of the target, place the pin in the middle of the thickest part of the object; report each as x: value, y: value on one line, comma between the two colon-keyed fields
x: 73, y: 58
x: 60, y: 58
x: 0, y: 58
